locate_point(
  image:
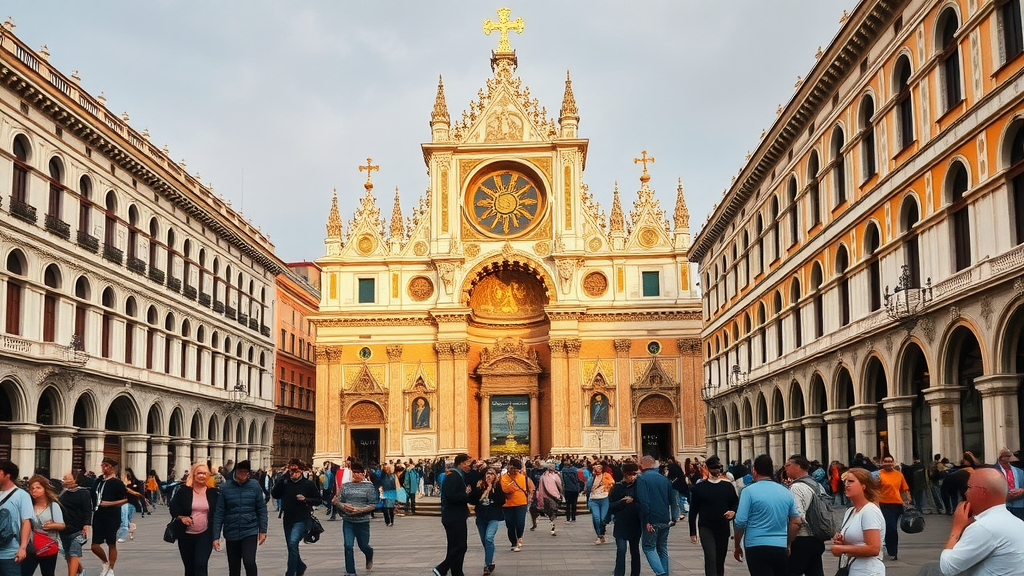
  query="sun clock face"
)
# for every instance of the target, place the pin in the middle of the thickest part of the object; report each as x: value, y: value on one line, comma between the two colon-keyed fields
x: 505, y: 204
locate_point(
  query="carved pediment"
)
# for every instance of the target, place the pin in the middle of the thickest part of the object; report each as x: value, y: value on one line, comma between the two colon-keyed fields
x: 419, y: 379
x: 365, y: 383
x: 655, y: 378
x: 509, y: 356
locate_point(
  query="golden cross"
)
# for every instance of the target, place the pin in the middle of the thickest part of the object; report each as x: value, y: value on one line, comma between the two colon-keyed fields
x: 644, y: 159
x: 369, y: 168
x: 503, y: 25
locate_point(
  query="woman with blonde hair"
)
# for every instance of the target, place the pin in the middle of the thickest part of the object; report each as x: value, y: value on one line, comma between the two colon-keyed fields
x: 192, y: 508
x: 859, y: 541
x: 388, y: 493
x: 46, y: 526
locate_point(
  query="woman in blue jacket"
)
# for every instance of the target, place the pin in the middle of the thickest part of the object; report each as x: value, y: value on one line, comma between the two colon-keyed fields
x: 242, y: 517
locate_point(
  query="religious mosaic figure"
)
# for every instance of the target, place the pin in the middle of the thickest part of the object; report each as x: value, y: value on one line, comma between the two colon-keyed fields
x: 510, y: 417
x: 420, y: 413
x: 599, y: 410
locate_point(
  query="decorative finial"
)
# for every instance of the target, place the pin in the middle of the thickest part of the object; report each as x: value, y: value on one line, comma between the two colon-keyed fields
x: 817, y: 55
x: 569, y: 110
x: 682, y: 214
x: 618, y: 222
x: 76, y: 77
x: 844, y: 17
x: 102, y: 99
x: 440, y: 113
x: 44, y: 52
x: 799, y: 81
x: 645, y: 177
x: 334, y: 218
x: 9, y: 24
x: 369, y: 169
x: 124, y: 116
x: 503, y: 25
x: 397, y: 228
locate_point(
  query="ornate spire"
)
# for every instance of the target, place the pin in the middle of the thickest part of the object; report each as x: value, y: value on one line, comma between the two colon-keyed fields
x: 334, y: 219
x: 645, y: 177
x: 369, y: 170
x: 440, y: 113
x: 618, y: 222
x: 397, y: 227
x: 568, y: 102
x: 682, y: 215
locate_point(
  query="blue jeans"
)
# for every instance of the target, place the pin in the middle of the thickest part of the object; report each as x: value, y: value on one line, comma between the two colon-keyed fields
x: 127, y: 511
x: 684, y: 503
x: 621, y: 545
x: 515, y: 521
x: 655, y: 545
x: 598, y: 510
x: 356, y: 532
x: 293, y: 536
x: 487, y: 530
x: 8, y: 567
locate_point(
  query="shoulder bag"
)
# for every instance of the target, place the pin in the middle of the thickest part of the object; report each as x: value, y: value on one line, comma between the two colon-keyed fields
x: 42, y: 544
x: 844, y: 569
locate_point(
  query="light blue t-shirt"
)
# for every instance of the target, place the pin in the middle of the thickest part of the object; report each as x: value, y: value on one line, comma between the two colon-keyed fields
x: 765, y: 522
x: 20, y: 507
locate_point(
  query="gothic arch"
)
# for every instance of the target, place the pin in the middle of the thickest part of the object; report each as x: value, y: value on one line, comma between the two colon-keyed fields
x: 86, y: 413
x: 123, y: 414
x: 1008, y: 336
x: 51, y: 395
x: 155, y: 420
x: 843, y: 392
x: 508, y: 259
x: 761, y: 414
x: 176, y: 424
x: 817, y: 395
x: 797, y: 409
x: 873, y: 363
x: 949, y: 346
x: 365, y: 412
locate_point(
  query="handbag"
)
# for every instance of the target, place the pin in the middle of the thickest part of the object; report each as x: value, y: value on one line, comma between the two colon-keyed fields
x: 313, y: 530
x: 42, y: 545
x: 844, y: 569
x: 170, y: 533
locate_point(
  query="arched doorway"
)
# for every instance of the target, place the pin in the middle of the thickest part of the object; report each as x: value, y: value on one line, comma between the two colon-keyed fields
x: 913, y: 381
x: 876, y: 389
x: 796, y: 412
x: 366, y: 430
x: 122, y: 418
x: 655, y: 415
x: 817, y: 406
x: 845, y: 401
x: 964, y: 364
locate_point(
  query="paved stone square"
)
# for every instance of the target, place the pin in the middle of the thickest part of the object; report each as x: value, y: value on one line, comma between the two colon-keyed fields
x: 416, y: 543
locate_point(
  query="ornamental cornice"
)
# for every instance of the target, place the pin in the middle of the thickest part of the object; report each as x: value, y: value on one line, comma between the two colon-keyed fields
x: 662, y: 316
x: 361, y: 322
x: 450, y: 317
x: 73, y: 118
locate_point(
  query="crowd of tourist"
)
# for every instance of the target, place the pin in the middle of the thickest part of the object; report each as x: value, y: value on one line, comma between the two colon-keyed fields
x: 780, y: 517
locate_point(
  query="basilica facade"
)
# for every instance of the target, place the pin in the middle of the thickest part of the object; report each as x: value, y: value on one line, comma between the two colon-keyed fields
x: 508, y: 315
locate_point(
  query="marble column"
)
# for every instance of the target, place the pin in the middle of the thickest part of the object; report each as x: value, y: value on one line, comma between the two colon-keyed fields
x: 812, y: 426
x: 760, y: 441
x: 485, y: 426
x: 776, y: 444
x: 158, y: 455
x: 93, y: 448
x: 23, y: 446
x: 838, y: 446
x: 136, y: 447
x: 534, y: 422
x: 445, y: 410
x: 899, y: 421
x: 61, y: 440
x: 216, y: 451
x: 793, y: 430
x: 201, y: 451
x: 560, y: 399
x: 460, y: 351
x: 734, y: 448
x: 182, y: 456
x: 864, y: 420
x: 231, y: 453
x: 999, y: 411
x: 572, y: 387
x: 746, y: 446
x: 944, y: 404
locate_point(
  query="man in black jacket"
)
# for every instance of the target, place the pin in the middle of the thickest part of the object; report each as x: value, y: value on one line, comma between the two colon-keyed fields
x: 296, y: 494
x: 713, y: 504
x: 623, y: 505
x: 454, y: 513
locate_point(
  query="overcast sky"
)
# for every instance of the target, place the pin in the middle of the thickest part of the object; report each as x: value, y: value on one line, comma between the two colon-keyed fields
x: 276, y: 103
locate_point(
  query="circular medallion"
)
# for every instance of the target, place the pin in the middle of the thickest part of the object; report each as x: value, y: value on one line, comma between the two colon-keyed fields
x: 471, y: 250
x: 365, y: 353
x: 654, y: 347
x: 504, y: 203
x: 542, y: 249
x: 594, y: 244
x: 420, y: 249
x: 648, y: 237
x: 365, y: 244
x: 421, y: 288
x: 595, y: 284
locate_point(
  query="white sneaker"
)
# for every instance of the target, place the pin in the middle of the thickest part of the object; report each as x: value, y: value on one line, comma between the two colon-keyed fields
x: 105, y: 569
x: 110, y: 572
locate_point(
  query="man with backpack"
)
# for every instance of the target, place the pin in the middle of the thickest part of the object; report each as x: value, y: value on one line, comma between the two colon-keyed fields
x: 807, y: 548
x: 16, y: 515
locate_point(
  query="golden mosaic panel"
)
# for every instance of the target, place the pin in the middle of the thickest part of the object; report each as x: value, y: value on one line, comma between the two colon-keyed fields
x: 365, y: 413
x: 465, y: 167
x: 421, y: 288
x: 655, y: 406
x: 595, y: 284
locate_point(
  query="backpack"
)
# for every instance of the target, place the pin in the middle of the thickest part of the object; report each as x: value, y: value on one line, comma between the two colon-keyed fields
x: 820, y: 514
x: 9, y: 529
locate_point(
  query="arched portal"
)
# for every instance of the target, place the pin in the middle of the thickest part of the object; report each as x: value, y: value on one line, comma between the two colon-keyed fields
x: 876, y: 389
x: 845, y: 401
x: 963, y: 364
x: 366, y: 431
x: 913, y: 381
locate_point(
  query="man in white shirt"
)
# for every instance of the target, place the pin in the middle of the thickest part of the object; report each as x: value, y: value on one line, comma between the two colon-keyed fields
x: 986, y: 540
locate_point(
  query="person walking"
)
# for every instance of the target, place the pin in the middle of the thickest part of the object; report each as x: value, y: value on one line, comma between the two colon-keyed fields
x: 936, y: 470
x: 241, y: 515
x: 894, y: 498
x: 356, y: 500
x: 454, y: 512
x: 766, y: 521
x: 860, y: 538
x: 659, y: 508
x: 192, y: 508
x: 297, y: 495
x: 986, y: 538
x: 152, y: 488
x: 623, y: 505
x: 411, y: 483
x: 488, y: 499
x: 1014, y: 482
x: 806, y: 550
x: 571, y: 486
x: 18, y: 504
x: 601, y: 483
x: 48, y: 520
x: 388, y: 493
x: 518, y: 489
x: 111, y: 495
x: 713, y: 504
x: 77, y: 504
x: 549, y: 493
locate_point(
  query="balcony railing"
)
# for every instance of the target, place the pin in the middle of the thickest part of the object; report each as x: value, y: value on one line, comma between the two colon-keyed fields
x: 204, y: 299
x: 156, y: 275
x: 254, y: 324
x: 229, y: 312
x: 136, y: 265
x: 218, y: 306
x: 243, y: 319
x: 23, y: 211
x: 190, y: 292
x: 265, y: 330
x: 90, y: 243
x: 174, y: 284
x: 113, y: 253
x: 57, y: 226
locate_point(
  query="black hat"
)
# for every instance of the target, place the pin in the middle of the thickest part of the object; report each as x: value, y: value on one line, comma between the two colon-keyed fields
x: 243, y: 465
x: 713, y: 462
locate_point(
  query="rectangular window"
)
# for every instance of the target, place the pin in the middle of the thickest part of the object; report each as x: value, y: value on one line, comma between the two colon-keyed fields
x: 1013, y: 38
x: 283, y: 338
x: 367, y: 290
x: 651, y: 283
x: 962, y: 238
x: 105, y: 337
x: 49, y: 317
x: 13, y: 308
x: 129, y: 343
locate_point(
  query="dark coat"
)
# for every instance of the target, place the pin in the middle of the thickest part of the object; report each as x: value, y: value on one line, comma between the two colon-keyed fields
x: 627, y: 514
x: 493, y: 510
x: 181, y: 505
x: 241, y: 510
x: 454, y: 497
x: 295, y: 510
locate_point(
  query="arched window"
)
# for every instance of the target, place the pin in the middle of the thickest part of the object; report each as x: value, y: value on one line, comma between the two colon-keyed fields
x: 106, y: 336
x: 154, y: 242
x: 17, y: 266
x: 761, y: 332
x: 1010, y: 23
x: 110, y: 220
x: 19, y: 184
x: 794, y: 220
x: 794, y: 299
x: 909, y: 216
x: 838, y: 165
x: 82, y: 294
x: 778, y: 324
x: 867, y: 140
x: 956, y: 183
x: 170, y: 256
x: 819, y: 307
x: 843, y: 285
x: 746, y: 258
x: 133, y: 232
x: 84, y: 205
x: 52, y: 280
x: 949, y: 57
x: 760, y: 244
x: 813, y: 196
x: 871, y: 244
x: 1016, y: 175
x: 186, y: 265
x: 904, y: 104
x: 776, y: 229
x: 56, y: 199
